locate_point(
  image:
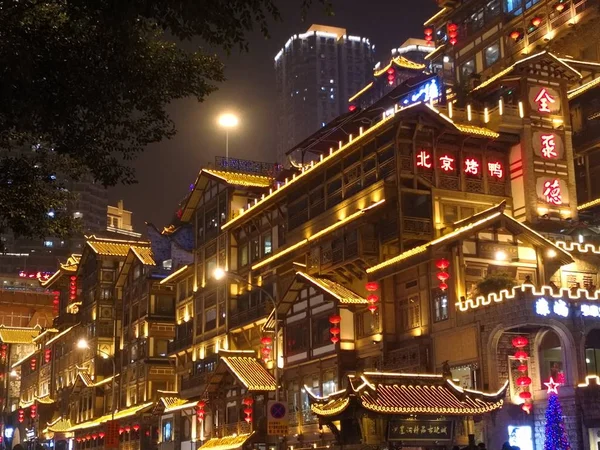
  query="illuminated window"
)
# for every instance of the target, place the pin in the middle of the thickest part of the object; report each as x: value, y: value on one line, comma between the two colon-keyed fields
x: 592, y: 352
x: 440, y: 307
x: 467, y: 69
x: 550, y: 355
x: 514, y: 7
x: 167, y: 431
x: 267, y: 244
x: 492, y: 54
x: 410, y: 313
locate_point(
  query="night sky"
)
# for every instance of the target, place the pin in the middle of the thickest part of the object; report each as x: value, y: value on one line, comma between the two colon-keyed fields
x: 165, y: 170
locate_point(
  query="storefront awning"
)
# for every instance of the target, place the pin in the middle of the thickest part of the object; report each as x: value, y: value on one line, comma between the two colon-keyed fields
x: 226, y: 443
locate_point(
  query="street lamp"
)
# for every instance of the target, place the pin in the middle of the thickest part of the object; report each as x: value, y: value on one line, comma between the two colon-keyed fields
x: 82, y: 344
x: 227, y: 121
x: 219, y: 274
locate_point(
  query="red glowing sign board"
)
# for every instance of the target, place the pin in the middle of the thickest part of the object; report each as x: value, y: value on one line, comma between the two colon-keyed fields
x: 472, y: 166
x: 495, y: 169
x: 424, y: 159
x: 447, y: 163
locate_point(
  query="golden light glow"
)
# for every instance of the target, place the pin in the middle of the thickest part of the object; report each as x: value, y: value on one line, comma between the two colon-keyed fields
x: 228, y: 120
x: 362, y: 91
x: 173, y: 275
x: 521, y: 110
x: 469, y: 113
x: 435, y: 16
x: 573, y: 93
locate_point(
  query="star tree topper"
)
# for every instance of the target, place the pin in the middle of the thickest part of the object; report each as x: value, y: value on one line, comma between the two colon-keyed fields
x: 552, y: 386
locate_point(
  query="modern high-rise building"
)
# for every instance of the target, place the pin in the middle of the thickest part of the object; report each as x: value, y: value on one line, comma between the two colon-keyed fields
x: 316, y: 73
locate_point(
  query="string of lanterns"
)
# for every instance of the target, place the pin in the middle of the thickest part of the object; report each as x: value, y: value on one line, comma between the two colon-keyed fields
x: 200, y: 412
x: 442, y: 264
x: 372, y: 298
x: 248, y: 402
x: 266, y: 343
x: 55, y: 301
x: 72, y: 288
x: 335, y: 320
x: 523, y: 381
x: 453, y: 33
x: 429, y: 35
x: 47, y: 355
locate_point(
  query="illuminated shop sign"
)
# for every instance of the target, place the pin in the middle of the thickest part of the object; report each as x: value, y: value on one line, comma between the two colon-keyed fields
x: 448, y: 163
x: 425, y: 93
x: 560, y: 308
x: 544, y: 100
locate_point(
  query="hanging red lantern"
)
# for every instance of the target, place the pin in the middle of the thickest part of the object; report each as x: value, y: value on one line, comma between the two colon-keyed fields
x: 248, y: 402
x: 515, y: 34
x: 391, y: 71
x: 372, y: 286
x: 101, y: 434
x: 88, y: 437
x: 335, y: 319
x: 127, y: 428
x: 372, y: 308
x: 121, y: 430
x: 136, y: 427
x: 560, y: 7
x: 94, y: 436
x: 372, y: 298
x: 536, y: 21
x: 520, y: 341
x: 248, y: 411
x: 200, y: 409
x: 266, y: 340
x: 523, y: 381
x: 33, y: 411
x: 21, y: 416
x: 443, y: 276
x: 521, y: 355
x: 443, y: 286
x: 335, y: 331
x: 33, y: 364
x: 335, y: 339
x: 47, y: 355
x: 522, y: 368
x: 442, y: 264
x: 351, y: 108
x: 525, y: 395
x: 428, y: 31
x: 78, y: 439
x: 526, y: 407
x: 3, y: 351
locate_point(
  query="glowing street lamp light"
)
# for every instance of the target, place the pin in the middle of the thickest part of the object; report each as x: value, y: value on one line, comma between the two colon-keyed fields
x: 227, y: 121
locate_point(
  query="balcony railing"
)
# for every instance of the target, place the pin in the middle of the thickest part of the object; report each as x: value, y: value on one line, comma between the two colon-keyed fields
x: 242, y: 317
x: 230, y: 429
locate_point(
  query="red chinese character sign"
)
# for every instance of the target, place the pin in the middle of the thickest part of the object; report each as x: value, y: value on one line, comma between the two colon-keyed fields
x: 447, y: 163
x: 496, y: 169
x: 544, y: 100
x: 424, y: 159
x: 553, y: 191
x: 472, y: 166
x: 547, y: 145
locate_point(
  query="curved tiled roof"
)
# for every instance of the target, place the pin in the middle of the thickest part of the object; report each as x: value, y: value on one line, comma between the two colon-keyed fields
x: 250, y: 372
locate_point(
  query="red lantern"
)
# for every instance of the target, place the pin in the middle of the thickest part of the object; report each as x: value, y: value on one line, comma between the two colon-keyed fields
x: 453, y: 41
x: 121, y: 430
x: 443, y: 276
x: 47, y: 355
x: 266, y: 340
x: 127, y: 428
x: 560, y: 7
x: 523, y: 381
x: 335, y: 330
x: 526, y: 407
x: 536, y: 21
x: 372, y: 308
x: 442, y: 264
x: 94, y: 436
x: 201, y: 404
x: 452, y: 27
x: 200, y: 409
x: 3, y: 351
x: 248, y: 419
x: 515, y: 34
x: 248, y: 401
x: 335, y: 319
x: 88, y: 437
x: 33, y: 364
x: 521, y: 355
x: 136, y: 427
x: 443, y: 286
x: 33, y: 412
x: 372, y: 286
x: 78, y: 439
x: 248, y: 411
x: 525, y: 395
x: 520, y: 341
x: 351, y: 108
x: 21, y: 416
x: 522, y: 368
x: 372, y: 298
x: 102, y: 434
x: 428, y: 31
x: 391, y: 71
x: 335, y: 339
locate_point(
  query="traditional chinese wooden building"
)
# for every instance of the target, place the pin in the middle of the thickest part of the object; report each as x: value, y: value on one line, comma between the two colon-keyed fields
x: 381, y: 408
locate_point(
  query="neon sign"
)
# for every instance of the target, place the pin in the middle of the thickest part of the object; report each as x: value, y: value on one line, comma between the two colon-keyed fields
x: 544, y: 307
x: 548, y: 148
x: 424, y: 159
x: 427, y: 92
x: 544, y: 100
x: 552, y: 192
x: 447, y: 163
x: 495, y: 169
x: 472, y: 166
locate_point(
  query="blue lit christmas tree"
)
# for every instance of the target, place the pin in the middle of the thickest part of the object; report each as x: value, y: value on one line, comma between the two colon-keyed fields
x: 556, y: 436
